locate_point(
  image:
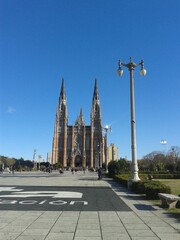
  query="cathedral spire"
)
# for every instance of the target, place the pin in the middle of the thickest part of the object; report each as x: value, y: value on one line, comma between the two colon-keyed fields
x: 80, y: 119
x: 62, y: 96
x: 96, y: 109
x: 95, y: 95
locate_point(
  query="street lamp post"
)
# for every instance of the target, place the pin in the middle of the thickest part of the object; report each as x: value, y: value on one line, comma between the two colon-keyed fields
x: 131, y: 66
x: 106, y: 128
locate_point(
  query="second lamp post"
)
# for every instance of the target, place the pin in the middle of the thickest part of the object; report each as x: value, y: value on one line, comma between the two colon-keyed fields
x: 131, y: 66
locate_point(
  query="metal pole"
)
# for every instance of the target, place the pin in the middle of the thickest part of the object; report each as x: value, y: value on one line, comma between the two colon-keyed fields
x: 106, y: 152
x: 131, y: 66
x: 135, y: 176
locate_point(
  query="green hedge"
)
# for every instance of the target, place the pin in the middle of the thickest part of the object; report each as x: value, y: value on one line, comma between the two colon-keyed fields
x: 148, y: 187
x: 122, y: 178
x: 160, y: 175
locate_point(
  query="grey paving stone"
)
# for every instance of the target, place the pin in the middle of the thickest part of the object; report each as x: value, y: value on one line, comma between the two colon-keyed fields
x: 111, y: 224
x: 60, y: 236
x: 88, y: 238
x: 167, y: 236
x: 144, y: 238
x: 113, y: 229
x: 32, y: 231
x: 63, y: 229
x: 141, y: 233
x: 88, y: 221
x: 135, y: 226
x: 176, y: 226
x: 8, y: 235
x: 168, y: 229
x: 132, y: 221
x: 85, y: 226
x: 31, y: 237
x: 2, y: 225
x: 88, y: 233
x: 13, y: 228
x: 116, y: 236
x: 66, y: 223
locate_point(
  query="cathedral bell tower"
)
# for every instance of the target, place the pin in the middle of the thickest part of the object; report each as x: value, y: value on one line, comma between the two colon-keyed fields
x: 59, y: 153
x: 96, y: 130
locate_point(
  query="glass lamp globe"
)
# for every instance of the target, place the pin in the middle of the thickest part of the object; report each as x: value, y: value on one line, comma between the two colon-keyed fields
x: 143, y: 72
x: 120, y: 72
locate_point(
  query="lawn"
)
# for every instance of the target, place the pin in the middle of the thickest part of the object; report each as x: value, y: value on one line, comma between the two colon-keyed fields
x: 174, y: 184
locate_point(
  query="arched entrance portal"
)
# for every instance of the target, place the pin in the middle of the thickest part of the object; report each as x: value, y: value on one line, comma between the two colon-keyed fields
x: 78, y: 161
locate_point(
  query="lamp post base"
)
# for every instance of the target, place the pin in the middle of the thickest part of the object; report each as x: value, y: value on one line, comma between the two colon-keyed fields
x: 134, y: 178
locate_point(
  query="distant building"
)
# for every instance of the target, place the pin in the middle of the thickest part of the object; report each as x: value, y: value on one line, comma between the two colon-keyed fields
x: 78, y: 145
x: 112, y: 152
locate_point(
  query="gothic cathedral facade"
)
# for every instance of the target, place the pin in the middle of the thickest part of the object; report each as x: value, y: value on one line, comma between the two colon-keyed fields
x: 78, y: 145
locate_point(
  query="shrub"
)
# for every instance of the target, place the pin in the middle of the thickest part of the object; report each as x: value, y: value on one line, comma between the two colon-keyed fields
x: 161, y: 175
x: 123, y: 179
x: 150, y: 188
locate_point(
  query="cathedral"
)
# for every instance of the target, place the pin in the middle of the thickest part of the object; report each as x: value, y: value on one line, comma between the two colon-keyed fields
x: 79, y: 145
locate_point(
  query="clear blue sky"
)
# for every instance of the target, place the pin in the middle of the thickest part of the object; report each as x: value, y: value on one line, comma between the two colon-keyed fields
x: 42, y: 41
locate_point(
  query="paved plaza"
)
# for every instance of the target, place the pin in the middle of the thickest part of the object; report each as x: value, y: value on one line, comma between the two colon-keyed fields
x: 38, y: 206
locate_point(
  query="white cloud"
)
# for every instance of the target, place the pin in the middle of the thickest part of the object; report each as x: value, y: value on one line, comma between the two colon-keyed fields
x: 11, y: 109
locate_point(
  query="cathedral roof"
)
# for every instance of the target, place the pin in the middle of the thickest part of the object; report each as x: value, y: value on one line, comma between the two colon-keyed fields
x: 80, y: 119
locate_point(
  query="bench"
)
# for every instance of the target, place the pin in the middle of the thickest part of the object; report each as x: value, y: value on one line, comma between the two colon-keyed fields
x: 168, y: 200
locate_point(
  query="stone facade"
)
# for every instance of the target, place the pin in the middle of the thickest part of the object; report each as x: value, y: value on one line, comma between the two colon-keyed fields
x: 78, y: 145
x: 112, y: 152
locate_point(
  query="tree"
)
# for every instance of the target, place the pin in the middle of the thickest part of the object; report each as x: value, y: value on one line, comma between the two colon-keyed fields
x: 9, y: 162
x: 116, y: 167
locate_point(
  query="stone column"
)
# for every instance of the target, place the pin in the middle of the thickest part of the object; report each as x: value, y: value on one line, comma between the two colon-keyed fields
x: 65, y: 145
x: 84, y: 147
x: 72, y: 148
x: 92, y: 147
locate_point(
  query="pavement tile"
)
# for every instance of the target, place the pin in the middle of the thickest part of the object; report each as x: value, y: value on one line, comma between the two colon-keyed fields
x: 135, y: 226
x: 113, y: 229
x: 132, y: 220
x: 64, y: 229
x: 115, y: 236
x: 39, y: 225
x: 30, y: 237
x: 141, y: 233
x: 143, y: 238
x: 112, y: 224
x: 176, y: 226
x: 88, y: 221
x: 168, y: 229
x: 2, y: 225
x: 85, y: 226
x: 160, y: 224
x: 88, y: 238
x: 21, y: 223
x: 31, y: 231
x: 167, y: 236
x: 60, y: 236
x: 13, y: 228
x: 8, y: 235
x: 88, y: 233
x: 68, y: 218
x: 66, y: 223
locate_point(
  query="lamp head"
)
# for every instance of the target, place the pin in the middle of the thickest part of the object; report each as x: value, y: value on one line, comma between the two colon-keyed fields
x: 106, y: 127
x: 143, y: 70
x: 119, y: 71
